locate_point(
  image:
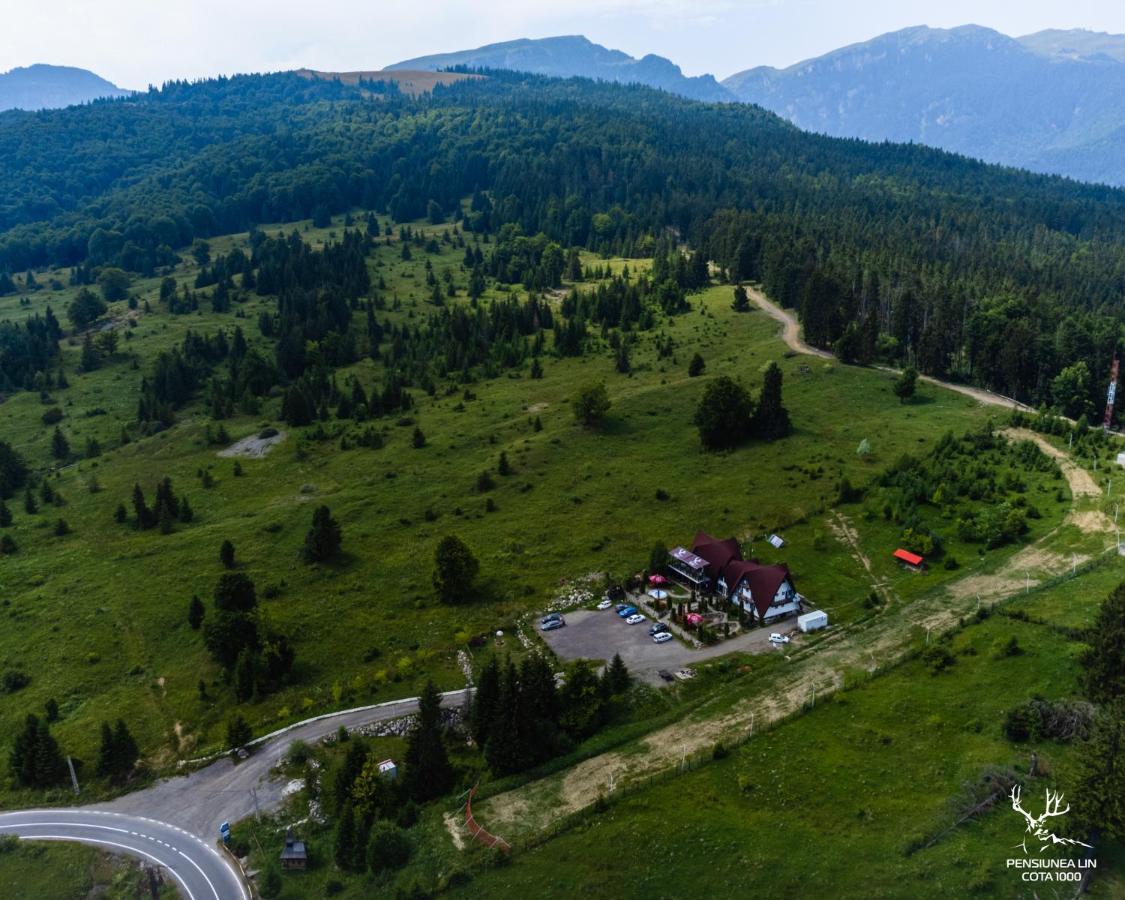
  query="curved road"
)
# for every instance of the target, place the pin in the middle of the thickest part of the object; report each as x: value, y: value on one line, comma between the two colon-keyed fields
x: 175, y: 822
x: 199, y: 870
x: 791, y: 334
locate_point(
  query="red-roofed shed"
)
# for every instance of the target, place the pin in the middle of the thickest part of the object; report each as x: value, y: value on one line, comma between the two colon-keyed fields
x: 911, y: 559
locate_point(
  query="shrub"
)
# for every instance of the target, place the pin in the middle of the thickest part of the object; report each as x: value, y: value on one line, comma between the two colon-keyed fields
x: 388, y: 848
x: 14, y: 680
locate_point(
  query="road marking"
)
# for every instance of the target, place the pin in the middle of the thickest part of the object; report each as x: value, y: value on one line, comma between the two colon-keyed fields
x: 126, y: 847
x: 210, y: 883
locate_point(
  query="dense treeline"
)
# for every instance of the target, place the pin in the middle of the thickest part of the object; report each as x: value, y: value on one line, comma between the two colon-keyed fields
x: 28, y: 350
x: 889, y: 252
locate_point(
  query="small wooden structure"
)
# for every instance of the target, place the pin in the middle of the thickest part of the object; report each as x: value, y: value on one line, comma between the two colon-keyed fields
x: 295, y: 856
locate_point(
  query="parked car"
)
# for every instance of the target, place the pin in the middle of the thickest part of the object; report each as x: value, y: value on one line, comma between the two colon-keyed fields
x: 776, y: 638
x: 627, y: 611
x: 605, y: 604
x: 662, y: 637
x: 552, y: 625
x: 658, y: 628
x: 621, y: 607
x: 550, y: 617
x: 666, y: 675
x: 635, y: 619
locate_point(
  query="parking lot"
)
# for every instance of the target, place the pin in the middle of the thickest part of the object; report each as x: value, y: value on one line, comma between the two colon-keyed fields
x: 598, y: 634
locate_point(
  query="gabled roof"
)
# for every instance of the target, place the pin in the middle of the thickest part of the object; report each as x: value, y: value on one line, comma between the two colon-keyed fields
x: 763, y: 581
x: 717, y: 553
x: 907, y: 557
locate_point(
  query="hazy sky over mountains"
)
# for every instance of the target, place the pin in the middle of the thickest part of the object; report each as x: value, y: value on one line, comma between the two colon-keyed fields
x: 137, y: 42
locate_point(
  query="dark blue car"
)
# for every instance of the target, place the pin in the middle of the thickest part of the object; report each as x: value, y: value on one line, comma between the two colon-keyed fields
x: 627, y: 611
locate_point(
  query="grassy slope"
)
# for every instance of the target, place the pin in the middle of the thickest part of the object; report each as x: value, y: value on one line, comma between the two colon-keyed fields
x: 825, y: 804
x: 56, y: 871
x: 97, y: 618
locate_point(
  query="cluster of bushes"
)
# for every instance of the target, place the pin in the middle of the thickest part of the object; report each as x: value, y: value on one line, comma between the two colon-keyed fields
x: 1057, y: 720
x: 959, y: 480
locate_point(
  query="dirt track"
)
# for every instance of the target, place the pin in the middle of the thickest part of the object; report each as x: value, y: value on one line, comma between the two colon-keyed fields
x: 822, y: 670
x: 791, y: 334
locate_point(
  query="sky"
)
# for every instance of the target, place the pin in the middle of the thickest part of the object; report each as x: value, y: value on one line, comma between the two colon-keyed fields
x: 135, y: 43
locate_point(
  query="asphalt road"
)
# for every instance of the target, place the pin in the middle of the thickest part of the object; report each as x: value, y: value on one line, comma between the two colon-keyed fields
x: 226, y: 791
x: 199, y: 870
x: 175, y: 822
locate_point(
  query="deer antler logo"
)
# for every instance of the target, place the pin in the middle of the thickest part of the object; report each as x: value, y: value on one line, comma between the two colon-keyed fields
x: 1035, y: 823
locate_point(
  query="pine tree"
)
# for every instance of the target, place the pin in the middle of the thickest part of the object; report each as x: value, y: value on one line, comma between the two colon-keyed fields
x: 455, y: 569
x: 125, y: 750
x: 5, y: 515
x: 226, y: 554
x: 504, y: 467
x: 428, y: 772
x: 419, y: 439
x: 238, y: 733
x: 196, y: 613
x: 485, y: 698
x: 741, y: 302
x: 1104, y: 660
x: 1100, y: 797
x: 29, y: 504
x: 143, y: 517
x: 345, y: 843
x: 696, y: 366
x: 119, y: 514
x: 52, y: 709
x: 186, y: 512
x: 346, y: 777
x: 60, y: 447
x: 906, y: 384
x: 505, y: 750
x: 105, y: 752
x: 617, y: 675
x: 771, y: 420
x: 323, y: 540
x: 724, y: 414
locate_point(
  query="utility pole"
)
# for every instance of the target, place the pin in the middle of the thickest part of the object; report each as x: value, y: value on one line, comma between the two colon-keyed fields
x: 257, y: 809
x: 73, y: 774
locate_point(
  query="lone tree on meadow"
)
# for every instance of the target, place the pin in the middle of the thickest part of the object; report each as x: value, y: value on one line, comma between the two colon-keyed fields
x: 323, y: 540
x: 723, y: 415
x: 226, y: 554
x: 696, y: 366
x: 741, y: 302
x: 906, y: 384
x: 771, y: 419
x: 35, y: 760
x: 591, y: 404
x: 195, y: 613
x: 455, y: 569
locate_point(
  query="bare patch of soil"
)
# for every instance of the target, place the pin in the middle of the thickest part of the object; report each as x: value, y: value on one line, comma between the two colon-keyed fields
x: 254, y: 447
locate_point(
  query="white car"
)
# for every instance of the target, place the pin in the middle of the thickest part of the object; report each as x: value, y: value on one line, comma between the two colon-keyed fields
x: 635, y: 619
x: 605, y: 604
x: 662, y: 637
x: 776, y: 638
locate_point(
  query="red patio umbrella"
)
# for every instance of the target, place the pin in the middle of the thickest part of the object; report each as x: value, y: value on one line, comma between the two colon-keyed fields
x: 657, y: 579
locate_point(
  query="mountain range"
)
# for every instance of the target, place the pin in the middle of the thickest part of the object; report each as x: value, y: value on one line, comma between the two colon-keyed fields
x: 1050, y: 102
x: 43, y: 86
x: 574, y: 55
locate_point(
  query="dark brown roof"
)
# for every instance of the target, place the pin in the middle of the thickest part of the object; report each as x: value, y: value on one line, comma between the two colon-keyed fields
x: 763, y: 581
x: 717, y: 553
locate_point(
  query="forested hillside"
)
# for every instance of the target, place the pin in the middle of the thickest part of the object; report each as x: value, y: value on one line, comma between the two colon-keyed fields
x: 895, y: 253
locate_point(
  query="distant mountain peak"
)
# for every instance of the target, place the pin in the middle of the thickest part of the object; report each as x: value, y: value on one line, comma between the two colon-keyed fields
x: 566, y: 56
x: 1051, y: 102
x: 45, y: 86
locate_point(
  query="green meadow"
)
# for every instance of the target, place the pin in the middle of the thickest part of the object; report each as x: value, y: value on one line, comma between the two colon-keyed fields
x: 97, y: 617
x: 857, y: 797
